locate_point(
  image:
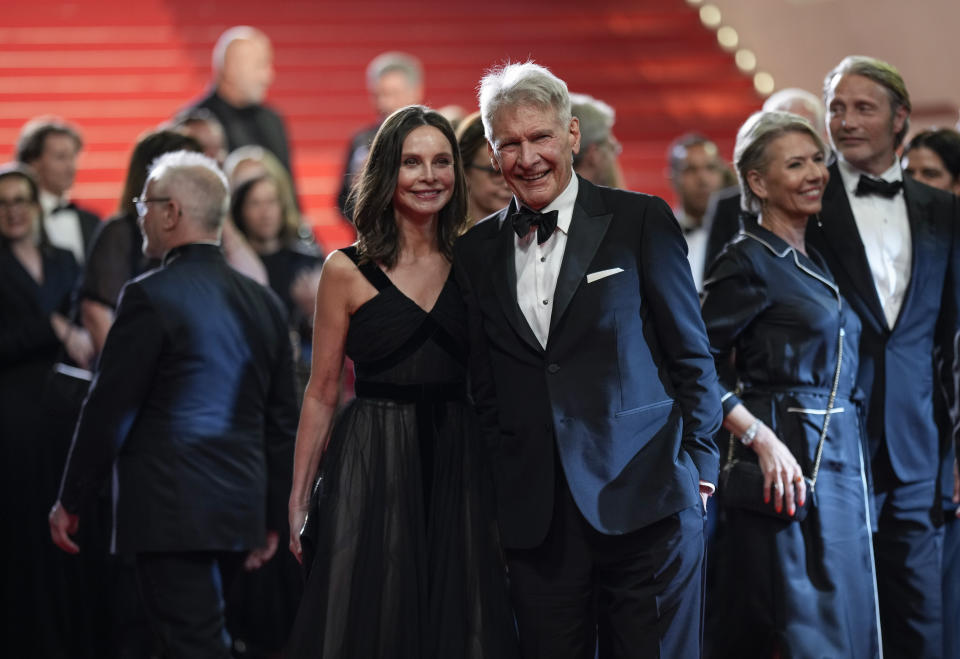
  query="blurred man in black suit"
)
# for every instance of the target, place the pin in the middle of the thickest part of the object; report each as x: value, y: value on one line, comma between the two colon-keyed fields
x: 242, y: 75
x: 598, y: 160
x: 696, y: 172
x: 50, y: 147
x: 194, y: 400
x: 394, y: 80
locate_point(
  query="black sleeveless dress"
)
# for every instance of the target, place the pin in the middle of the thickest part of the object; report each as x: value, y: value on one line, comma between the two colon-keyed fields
x: 401, y: 545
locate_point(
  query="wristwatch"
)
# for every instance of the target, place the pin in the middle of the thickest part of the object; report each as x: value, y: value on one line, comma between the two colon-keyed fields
x: 747, y: 437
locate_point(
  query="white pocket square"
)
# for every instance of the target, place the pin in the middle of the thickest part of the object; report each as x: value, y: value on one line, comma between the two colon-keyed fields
x: 600, y: 274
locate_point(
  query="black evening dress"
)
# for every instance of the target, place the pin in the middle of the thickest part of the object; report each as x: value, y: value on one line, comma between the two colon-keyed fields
x: 401, y: 544
x: 786, y: 588
x: 53, y: 602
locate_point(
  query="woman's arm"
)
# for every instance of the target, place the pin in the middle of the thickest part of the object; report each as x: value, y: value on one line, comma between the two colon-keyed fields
x: 341, y: 286
x: 97, y: 319
x: 240, y: 255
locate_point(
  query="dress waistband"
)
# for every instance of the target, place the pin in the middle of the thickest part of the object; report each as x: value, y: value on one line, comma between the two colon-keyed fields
x: 768, y: 390
x: 431, y: 392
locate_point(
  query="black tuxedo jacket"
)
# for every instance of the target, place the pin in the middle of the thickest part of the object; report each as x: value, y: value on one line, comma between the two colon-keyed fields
x: 89, y: 226
x: 624, y: 392
x: 725, y: 219
x: 194, y: 398
x: 254, y: 124
x: 903, y: 370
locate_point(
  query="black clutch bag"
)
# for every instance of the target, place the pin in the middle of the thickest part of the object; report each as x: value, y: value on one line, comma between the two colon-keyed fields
x: 741, y: 481
x: 741, y: 487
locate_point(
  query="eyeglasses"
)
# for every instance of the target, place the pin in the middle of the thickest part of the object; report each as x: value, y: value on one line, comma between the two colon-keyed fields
x: 16, y: 204
x: 614, y: 145
x: 493, y: 173
x: 141, y: 203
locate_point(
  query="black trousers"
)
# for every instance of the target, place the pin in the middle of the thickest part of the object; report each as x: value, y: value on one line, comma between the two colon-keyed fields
x: 641, y: 592
x: 908, y: 547
x: 183, y: 597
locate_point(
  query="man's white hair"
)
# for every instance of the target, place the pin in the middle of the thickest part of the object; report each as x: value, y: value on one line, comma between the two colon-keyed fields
x: 526, y: 83
x: 596, y: 119
x: 196, y: 182
x: 785, y: 100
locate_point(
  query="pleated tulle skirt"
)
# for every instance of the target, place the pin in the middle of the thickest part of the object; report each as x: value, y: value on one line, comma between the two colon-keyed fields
x: 403, y: 553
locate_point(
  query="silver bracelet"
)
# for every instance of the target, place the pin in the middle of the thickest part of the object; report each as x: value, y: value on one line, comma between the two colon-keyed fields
x: 747, y: 438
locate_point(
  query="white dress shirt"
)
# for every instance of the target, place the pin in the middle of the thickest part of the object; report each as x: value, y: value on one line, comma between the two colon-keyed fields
x: 696, y: 237
x: 885, y: 233
x: 538, y: 266
x: 62, y: 227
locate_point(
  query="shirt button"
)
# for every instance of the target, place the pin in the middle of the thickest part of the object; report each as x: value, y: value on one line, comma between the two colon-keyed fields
x: 546, y: 301
x: 553, y: 368
x: 542, y: 259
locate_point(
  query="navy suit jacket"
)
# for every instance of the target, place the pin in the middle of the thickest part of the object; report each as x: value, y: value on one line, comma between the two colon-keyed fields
x: 903, y: 370
x: 194, y: 398
x: 625, y: 391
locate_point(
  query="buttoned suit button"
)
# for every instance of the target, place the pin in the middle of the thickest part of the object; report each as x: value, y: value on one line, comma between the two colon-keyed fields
x: 553, y: 368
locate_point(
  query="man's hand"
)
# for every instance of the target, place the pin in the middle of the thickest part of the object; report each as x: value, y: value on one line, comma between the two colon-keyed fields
x: 706, y: 491
x: 62, y: 526
x: 258, y: 557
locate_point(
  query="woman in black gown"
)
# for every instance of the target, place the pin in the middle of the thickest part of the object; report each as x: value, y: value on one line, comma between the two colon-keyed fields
x: 400, y: 544
x: 788, y: 588
x: 35, y: 332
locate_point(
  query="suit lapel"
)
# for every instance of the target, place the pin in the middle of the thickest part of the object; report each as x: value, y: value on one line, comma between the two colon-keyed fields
x: 587, y: 228
x: 919, y: 219
x: 843, y: 237
x: 504, y: 273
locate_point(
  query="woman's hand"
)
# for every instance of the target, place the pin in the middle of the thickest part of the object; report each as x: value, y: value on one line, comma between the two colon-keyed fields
x: 782, y: 476
x: 297, y: 516
x: 79, y: 346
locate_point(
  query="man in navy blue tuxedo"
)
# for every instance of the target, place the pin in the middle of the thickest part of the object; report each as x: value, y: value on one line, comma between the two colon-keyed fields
x: 593, y: 378
x: 194, y: 400
x: 893, y: 248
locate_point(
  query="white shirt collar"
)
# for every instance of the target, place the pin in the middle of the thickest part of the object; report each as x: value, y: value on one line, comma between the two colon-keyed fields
x: 851, y: 175
x: 563, y: 204
x: 50, y: 201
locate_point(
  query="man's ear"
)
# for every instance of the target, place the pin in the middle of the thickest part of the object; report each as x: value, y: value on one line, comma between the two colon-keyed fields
x: 575, y: 134
x: 493, y: 158
x: 171, y: 215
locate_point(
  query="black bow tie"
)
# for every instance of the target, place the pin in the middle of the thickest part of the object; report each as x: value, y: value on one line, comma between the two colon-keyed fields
x: 525, y: 218
x: 867, y: 186
x: 62, y: 207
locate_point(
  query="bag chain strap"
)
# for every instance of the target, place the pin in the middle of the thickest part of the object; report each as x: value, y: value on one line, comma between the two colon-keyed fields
x: 826, y: 415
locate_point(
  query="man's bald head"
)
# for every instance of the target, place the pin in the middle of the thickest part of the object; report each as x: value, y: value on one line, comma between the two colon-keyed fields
x: 243, y: 66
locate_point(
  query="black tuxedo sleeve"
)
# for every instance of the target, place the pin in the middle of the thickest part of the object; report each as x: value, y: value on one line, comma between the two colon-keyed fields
x: 123, y: 379
x: 947, y: 342
x: 675, y: 313
x: 733, y: 296
x: 280, y: 434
